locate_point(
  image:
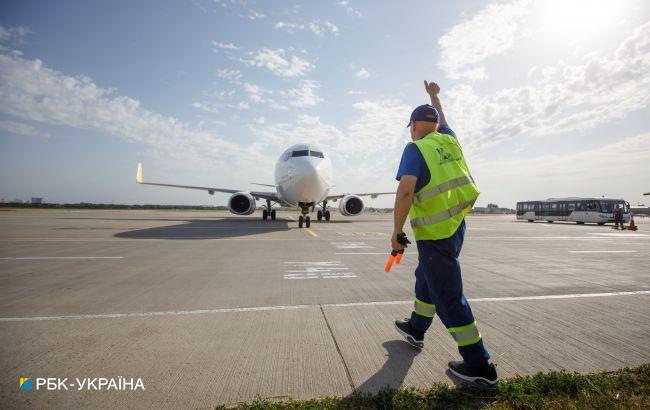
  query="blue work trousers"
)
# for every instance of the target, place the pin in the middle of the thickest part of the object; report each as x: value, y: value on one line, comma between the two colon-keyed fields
x: 438, y: 282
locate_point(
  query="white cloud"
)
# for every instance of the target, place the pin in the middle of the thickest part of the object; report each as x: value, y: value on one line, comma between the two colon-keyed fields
x: 13, y: 34
x: 332, y: 27
x: 362, y: 73
x: 31, y: 91
x: 604, y: 87
x: 259, y: 120
x: 290, y: 28
x: 254, y: 15
x: 469, y: 43
x: 274, y: 60
x: 302, y: 96
x: 320, y: 29
x: 315, y: 26
x: 227, y: 74
x: 255, y: 92
x: 19, y: 128
x: 205, y: 107
x: 356, y: 92
x: 224, y: 46
x: 351, y: 11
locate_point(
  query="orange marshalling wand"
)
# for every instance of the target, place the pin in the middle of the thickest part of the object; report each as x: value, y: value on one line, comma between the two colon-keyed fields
x: 391, y: 259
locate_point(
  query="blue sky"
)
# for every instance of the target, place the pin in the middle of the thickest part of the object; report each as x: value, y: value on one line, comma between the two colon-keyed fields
x: 549, y: 98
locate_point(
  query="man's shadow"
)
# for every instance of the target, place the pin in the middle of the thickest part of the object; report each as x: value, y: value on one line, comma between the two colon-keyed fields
x: 392, y: 373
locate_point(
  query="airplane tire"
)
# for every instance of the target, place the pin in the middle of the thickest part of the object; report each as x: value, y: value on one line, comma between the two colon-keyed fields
x: 265, y: 214
x: 300, y: 221
x: 273, y: 214
x: 307, y: 221
x: 319, y: 215
x: 327, y: 215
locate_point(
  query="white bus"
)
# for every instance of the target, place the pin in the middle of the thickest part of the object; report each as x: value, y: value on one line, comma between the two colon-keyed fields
x: 578, y: 210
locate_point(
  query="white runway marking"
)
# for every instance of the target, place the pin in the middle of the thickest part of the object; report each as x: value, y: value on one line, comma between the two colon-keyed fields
x: 316, y: 270
x: 602, y: 251
x: 618, y: 234
x: 61, y: 257
x: 291, y: 218
x: 292, y: 307
x: 361, y: 253
x: 350, y: 245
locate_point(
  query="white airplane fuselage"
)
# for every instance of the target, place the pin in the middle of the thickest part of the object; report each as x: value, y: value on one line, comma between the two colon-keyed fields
x: 303, y: 175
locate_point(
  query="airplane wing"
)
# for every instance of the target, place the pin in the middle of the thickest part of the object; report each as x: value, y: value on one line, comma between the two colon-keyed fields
x: 370, y: 194
x: 273, y: 196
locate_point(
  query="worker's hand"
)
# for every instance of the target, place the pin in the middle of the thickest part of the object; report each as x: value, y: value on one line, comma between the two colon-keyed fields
x: 393, y: 241
x: 432, y: 88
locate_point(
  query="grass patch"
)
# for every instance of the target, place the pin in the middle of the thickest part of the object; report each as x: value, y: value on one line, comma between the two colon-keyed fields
x: 622, y: 389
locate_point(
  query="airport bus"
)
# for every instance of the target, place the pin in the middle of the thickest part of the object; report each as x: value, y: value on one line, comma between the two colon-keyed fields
x: 578, y: 210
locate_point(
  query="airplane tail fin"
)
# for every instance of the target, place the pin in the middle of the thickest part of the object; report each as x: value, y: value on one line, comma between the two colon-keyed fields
x: 138, y: 176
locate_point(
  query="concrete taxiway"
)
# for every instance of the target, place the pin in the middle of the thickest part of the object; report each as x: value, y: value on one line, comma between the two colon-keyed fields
x: 207, y: 308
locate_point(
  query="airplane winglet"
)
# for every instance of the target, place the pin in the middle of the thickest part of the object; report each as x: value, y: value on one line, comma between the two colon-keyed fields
x: 138, y: 177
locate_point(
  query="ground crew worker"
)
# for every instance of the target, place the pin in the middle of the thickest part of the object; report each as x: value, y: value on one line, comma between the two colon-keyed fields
x: 618, y: 217
x: 436, y: 191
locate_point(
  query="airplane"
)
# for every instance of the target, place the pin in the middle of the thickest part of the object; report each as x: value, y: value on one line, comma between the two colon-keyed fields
x: 302, y: 180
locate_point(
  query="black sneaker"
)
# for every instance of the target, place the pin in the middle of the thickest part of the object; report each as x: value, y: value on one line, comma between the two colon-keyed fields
x: 413, y: 337
x: 482, y: 375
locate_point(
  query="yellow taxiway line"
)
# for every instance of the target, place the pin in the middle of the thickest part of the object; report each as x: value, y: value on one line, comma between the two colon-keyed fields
x: 312, y: 233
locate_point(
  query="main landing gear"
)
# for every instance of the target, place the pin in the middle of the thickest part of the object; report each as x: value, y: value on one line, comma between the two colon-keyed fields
x: 268, y: 212
x: 323, y: 213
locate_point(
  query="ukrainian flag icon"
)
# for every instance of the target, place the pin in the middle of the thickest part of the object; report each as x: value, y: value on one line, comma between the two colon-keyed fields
x: 26, y: 383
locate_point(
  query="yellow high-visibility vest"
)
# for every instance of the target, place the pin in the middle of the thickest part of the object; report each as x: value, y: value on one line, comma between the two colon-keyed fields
x: 440, y: 206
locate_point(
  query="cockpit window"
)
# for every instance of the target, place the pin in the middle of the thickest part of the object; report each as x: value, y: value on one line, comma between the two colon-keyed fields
x: 316, y: 154
x: 301, y: 153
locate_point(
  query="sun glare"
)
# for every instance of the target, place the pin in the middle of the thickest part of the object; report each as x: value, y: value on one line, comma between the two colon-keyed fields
x: 574, y: 19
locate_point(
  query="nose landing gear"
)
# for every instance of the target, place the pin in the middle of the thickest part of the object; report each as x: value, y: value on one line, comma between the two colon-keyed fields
x: 304, y: 219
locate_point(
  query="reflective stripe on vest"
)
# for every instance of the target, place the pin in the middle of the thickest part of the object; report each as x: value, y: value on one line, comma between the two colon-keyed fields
x: 465, y: 335
x: 423, y: 308
x: 444, y: 187
x: 442, y: 216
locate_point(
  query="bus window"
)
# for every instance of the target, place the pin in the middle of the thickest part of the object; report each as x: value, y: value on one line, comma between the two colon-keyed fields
x: 609, y: 206
x: 572, y: 206
x: 592, y: 206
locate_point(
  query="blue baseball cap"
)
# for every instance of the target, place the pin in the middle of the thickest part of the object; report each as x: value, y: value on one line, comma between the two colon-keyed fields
x: 424, y: 112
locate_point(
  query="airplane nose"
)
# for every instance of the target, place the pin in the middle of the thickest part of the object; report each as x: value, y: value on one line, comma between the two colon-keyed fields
x: 309, y: 182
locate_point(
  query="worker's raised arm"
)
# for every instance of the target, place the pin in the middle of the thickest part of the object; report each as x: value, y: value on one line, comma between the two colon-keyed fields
x: 433, y: 89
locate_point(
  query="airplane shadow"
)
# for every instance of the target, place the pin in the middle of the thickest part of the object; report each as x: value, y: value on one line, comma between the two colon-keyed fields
x: 198, y: 229
x: 392, y: 373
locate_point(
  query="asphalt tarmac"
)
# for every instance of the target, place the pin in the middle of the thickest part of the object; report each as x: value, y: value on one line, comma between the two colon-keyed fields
x: 207, y: 308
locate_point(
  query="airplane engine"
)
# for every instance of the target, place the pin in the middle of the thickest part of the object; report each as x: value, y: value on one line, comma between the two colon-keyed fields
x: 241, y: 203
x: 351, y: 205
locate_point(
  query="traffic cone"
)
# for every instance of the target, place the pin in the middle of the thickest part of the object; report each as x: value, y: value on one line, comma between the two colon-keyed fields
x: 631, y: 226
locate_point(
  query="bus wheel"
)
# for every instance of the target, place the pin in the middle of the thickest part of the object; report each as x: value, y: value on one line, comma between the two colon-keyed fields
x: 580, y: 223
x: 550, y: 222
x: 601, y: 223
x: 530, y: 220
